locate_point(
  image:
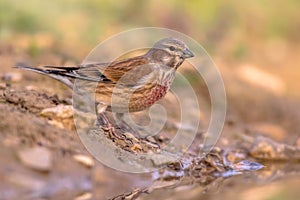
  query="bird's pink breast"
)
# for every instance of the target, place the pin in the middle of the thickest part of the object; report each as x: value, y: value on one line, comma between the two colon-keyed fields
x: 157, y: 93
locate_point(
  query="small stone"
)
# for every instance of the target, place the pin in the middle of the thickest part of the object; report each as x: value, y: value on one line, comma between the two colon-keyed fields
x: 31, y: 87
x: 130, y: 136
x: 160, y: 159
x: 136, y: 147
x: 59, y: 116
x: 84, y: 196
x: 38, y: 158
x: 271, y: 130
x: 60, y: 111
x: 12, y: 76
x: 2, y: 86
x: 27, y: 181
x: 246, y: 165
x: 85, y: 160
x: 254, y: 76
x: 56, y: 123
x: 298, y: 143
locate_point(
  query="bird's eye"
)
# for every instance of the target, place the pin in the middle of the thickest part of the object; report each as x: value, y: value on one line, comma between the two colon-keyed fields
x: 172, y: 48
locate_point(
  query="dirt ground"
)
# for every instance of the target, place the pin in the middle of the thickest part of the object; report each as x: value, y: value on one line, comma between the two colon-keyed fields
x: 42, y: 156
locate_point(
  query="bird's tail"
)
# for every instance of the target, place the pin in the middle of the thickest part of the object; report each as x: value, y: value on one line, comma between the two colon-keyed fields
x: 54, y: 73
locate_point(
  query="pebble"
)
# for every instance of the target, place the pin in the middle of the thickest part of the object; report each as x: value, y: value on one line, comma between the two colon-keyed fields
x: 298, y: 143
x: 56, y: 123
x: 31, y: 87
x: 85, y: 160
x: 255, y: 76
x: 12, y: 76
x: 39, y: 158
x: 2, y: 86
x: 246, y: 165
x: 27, y: 181
x: 160, y: 159
x: 271, y: 130
x: 59, y: 111
x: 84, y: 196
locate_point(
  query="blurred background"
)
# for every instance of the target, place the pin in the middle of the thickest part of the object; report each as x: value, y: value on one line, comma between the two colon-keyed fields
x: 260, y: 31
x: 255, y: 44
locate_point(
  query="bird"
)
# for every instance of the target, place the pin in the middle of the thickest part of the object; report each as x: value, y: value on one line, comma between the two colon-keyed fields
x: 128, y: 85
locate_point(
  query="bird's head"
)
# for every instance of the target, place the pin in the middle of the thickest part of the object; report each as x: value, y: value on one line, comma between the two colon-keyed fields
x: 170, y: 51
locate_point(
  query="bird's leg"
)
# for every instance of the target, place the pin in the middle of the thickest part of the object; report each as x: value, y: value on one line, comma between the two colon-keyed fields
x: 104, y: 119
x: 125, y: 126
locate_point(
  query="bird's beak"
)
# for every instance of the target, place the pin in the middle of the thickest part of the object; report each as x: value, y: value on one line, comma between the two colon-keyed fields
x: 187, y: 53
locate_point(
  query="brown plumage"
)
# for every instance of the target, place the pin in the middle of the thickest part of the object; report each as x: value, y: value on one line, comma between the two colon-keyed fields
x: 132, y: 84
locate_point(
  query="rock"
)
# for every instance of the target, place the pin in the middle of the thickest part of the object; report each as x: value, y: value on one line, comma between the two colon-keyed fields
x: 60, y: 116
x: 84, y: 196
x: 27, y: 181
x: 12, y: 76
x: 2, y: 86
x: 59, y: 111
x: 56, y: 123
x: 31, y: 87
x: 161, y: 159
x: 136, y: 148
x: 38, y: 158
x: 298, y: 143
x: 85, y: 160
x: 271, y: 130
x: 268, y: 149
x: 257, y: 77
x: 246, y: 165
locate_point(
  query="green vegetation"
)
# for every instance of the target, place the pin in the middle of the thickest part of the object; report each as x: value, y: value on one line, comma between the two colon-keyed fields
x: 85, y: 23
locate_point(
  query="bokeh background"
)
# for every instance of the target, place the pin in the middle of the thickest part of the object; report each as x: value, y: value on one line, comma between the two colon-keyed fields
x: 261, y: 31
x: 255, y: 44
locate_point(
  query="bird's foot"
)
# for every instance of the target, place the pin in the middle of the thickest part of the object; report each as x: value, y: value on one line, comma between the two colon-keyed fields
x: 108, y: 127
x: 112, y: 132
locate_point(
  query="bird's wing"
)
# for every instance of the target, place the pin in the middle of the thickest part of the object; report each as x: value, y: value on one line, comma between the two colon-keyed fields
x: 124, y: 68
x: 126, y: 72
